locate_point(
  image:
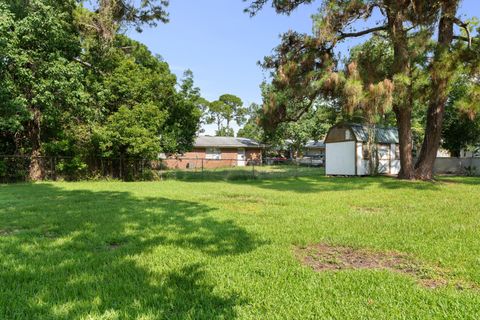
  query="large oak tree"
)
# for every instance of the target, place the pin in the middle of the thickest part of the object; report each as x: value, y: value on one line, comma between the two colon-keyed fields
x: 305, y: 66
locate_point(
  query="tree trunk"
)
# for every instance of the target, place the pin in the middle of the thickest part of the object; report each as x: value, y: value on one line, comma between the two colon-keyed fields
x: 400, y: 71
x: 36, y: 169
x: 404, y: 116
x: 441, y: 71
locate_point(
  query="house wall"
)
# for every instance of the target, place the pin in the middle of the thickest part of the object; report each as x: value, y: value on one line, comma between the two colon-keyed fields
x: 253, y: 155
x: 195, y: 159
x: 340, y: 158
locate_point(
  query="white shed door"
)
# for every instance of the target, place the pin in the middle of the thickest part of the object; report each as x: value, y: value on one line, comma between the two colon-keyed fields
x: 241, y: 157
x: 383, y: 158
x: 340, y: 158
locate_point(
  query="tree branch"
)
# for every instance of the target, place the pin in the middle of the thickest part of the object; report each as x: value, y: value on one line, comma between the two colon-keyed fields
x: 303, y: 110
x: 86, y: 64
x: 344, y: 35
x: 464, y: 26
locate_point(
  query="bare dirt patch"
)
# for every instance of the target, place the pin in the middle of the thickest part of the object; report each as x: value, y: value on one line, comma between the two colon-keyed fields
x: 324, y: 257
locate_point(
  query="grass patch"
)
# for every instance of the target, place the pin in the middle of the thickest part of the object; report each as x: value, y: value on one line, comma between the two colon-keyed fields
x: 209, y: 249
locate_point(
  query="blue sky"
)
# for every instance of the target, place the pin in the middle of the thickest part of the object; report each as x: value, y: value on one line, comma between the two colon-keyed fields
x: 221, y: 44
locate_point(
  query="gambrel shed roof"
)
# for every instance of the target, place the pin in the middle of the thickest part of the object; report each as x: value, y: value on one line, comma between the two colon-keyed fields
x: 360, y: 132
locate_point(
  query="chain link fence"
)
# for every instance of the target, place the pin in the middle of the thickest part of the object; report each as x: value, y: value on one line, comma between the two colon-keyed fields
x: 17, y: 168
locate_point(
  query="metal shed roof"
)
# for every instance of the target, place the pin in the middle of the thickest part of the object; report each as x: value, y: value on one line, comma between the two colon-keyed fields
x: 225, y: 142
x: 382, y: 134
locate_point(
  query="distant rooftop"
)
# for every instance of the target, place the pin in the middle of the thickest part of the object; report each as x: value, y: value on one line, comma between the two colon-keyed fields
x: 225, y: 142
x: 315, y: 144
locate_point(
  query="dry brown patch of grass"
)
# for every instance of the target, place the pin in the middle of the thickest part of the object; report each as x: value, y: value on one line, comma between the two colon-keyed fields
x: 324, y: 257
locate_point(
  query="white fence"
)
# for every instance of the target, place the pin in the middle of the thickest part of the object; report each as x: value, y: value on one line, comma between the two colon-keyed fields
x: 457, y: 165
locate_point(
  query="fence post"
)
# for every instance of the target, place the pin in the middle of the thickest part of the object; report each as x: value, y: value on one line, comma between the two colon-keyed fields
x: 253, y: 169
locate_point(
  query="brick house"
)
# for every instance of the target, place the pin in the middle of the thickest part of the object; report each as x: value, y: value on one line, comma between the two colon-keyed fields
x: 217, y: 152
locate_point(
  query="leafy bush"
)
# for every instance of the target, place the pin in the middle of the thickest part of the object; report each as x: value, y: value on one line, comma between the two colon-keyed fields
x: 470, y: 171
x: 71, y: 169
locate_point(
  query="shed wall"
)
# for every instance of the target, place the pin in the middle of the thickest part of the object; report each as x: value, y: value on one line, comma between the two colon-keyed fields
x: 388, y: 164
x: 395, y: 163
x: 362, y: 165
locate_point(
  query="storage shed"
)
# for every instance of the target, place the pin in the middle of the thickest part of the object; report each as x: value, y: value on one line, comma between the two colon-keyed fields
x: 347, y: 152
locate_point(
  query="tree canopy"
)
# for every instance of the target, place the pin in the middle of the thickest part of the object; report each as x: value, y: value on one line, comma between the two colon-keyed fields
x: 66, y: 90
x: 224, y: 111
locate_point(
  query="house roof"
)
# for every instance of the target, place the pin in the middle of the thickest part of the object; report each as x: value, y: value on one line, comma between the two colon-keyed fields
x: 382, y: 134
x: 225, y: 142
x: 315, y: 144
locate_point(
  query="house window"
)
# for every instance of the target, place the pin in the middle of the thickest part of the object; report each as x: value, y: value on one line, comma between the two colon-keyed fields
x: 213, y: 153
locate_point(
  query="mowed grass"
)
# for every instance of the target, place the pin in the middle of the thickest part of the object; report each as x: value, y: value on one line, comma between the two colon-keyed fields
x: 242, y: 173
x: 226, y: 249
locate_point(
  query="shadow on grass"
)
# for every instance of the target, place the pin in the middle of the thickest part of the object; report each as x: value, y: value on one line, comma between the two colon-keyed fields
x: 311, y: 184
x: 68, y: 254
x: 298, y: 179
x: 475, y: 181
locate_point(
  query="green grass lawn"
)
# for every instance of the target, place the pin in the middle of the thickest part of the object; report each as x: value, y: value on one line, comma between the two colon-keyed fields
x: 226, y: 249
x: 243, y: 173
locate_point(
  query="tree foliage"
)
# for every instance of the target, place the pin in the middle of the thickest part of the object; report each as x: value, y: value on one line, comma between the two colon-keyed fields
x: 252, y: 129
x: 111, y: 16
x: 461, y: 128
x: 132, y: 131
x: 67, y: 91
x: 224, y: 111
